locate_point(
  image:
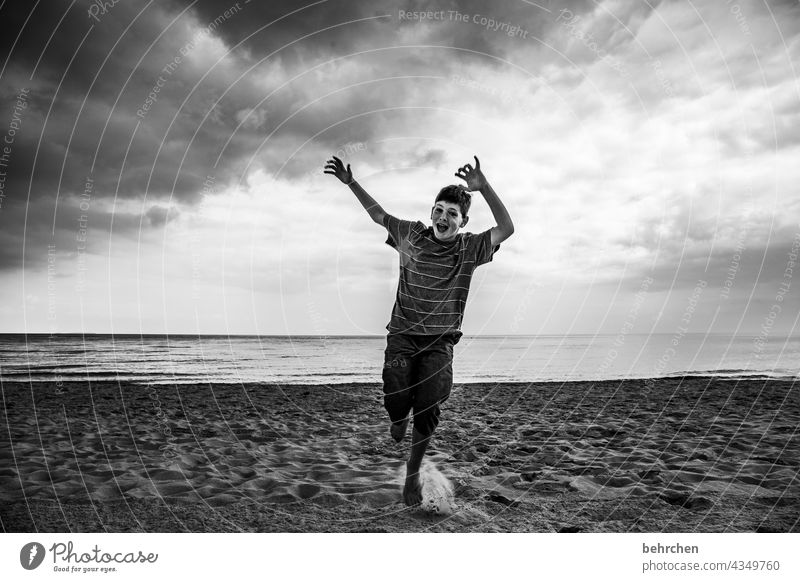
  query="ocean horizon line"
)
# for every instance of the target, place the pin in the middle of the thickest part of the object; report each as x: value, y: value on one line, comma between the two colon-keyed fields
x: 686, y: 375
x: 363, y: 336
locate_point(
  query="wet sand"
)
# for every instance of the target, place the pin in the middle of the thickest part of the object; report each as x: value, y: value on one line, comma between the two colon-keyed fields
x: 670, y: 455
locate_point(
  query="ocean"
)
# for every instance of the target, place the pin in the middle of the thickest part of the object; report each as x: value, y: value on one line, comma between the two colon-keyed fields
x: 322, y: 360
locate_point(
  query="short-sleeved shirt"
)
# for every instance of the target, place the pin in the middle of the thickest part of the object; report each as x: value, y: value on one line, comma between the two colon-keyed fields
x: 434, y: 276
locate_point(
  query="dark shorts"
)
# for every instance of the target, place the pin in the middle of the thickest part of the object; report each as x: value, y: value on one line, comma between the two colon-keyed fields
x: 418, y: 376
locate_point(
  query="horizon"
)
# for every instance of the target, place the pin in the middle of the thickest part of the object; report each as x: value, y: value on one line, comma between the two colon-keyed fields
x: 382, y: 336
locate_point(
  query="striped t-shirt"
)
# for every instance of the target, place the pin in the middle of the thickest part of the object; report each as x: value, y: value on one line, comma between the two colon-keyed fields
x: 434, y: 276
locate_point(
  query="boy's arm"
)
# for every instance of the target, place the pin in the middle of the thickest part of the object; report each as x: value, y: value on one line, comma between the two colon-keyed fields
x: 335, y: 167
x: 376, y: 213
x: 477, y: 181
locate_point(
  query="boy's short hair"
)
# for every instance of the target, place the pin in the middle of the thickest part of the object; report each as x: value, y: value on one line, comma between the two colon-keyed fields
x: 457, y: 195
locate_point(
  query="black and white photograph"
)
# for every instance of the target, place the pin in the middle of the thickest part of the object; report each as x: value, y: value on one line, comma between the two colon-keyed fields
x: 418, y: 266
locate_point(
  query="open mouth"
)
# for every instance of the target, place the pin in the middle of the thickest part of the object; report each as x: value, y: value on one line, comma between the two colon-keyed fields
x: 441, y: 227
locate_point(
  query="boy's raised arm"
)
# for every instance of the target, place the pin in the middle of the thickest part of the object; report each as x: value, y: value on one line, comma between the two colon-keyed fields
x: 477, y: 181
x: 335, y: 167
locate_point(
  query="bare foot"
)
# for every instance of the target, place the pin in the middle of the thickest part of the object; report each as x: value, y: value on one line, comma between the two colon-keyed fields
x: 412, y: 492
x: 398, y: 429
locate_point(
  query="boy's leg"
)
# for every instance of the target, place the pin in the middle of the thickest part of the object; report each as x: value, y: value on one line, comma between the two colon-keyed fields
x: 412, y: 492
x: 434, y: 380
x: 398, y: 396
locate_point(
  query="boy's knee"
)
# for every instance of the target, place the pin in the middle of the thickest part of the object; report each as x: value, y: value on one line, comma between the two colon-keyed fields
x: 398, y: 410
x: 395, y: 382
x: 425, y: 422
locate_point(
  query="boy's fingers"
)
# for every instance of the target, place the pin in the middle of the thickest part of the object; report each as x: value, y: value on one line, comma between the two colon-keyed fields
x: 477, y: 163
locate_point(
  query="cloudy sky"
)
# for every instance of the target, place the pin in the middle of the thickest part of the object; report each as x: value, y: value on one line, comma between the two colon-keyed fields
x: 161, y: 162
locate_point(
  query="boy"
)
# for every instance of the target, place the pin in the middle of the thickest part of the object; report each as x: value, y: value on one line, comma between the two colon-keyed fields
x: 436, y: 265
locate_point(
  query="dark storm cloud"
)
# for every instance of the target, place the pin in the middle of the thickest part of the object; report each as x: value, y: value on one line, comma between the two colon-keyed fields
x: 75, y: 224
x: 160, y: 215
x: 102, y: 107
x: 85, y: 80
x: 752, y: 256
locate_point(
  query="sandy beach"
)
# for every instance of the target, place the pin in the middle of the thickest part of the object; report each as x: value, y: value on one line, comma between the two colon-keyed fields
x: 670, y: 455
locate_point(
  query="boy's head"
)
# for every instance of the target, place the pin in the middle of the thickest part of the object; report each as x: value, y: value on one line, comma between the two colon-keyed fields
x: 449, y: 212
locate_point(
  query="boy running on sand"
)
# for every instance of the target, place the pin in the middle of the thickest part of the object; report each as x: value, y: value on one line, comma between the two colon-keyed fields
x: 436, y: 265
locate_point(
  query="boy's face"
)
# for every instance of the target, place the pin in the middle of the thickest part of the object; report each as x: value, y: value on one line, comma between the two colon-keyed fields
x: 446, y: 219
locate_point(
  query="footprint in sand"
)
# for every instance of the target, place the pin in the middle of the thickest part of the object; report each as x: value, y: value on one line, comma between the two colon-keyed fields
x: 307, y: 490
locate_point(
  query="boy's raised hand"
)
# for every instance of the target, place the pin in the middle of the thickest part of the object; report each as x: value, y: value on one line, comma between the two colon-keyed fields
x: 335, y: 167
x: 472, y: 176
